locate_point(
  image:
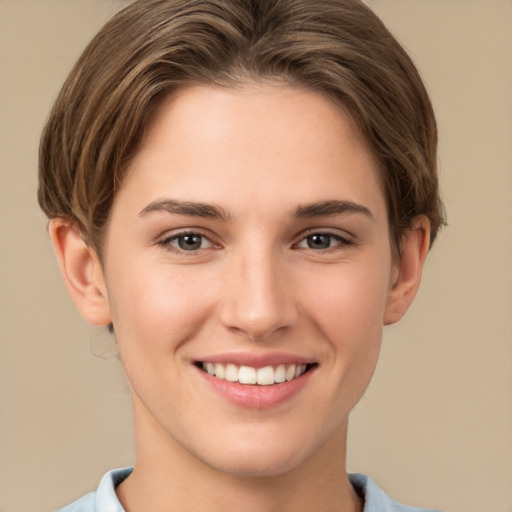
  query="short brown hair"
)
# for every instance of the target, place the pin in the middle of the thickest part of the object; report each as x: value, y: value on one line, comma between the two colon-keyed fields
x: 155, y: 47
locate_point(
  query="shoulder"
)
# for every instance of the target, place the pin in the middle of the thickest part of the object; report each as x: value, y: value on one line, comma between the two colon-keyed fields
x: 375, y: 499
x: 104, y: 499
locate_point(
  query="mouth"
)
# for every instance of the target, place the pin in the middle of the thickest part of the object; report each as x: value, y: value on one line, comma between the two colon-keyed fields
x: 251, y: 376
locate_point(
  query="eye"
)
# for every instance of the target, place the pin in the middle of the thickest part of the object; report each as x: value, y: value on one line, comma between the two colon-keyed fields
x: 188, y: 242
x: 322, y: 241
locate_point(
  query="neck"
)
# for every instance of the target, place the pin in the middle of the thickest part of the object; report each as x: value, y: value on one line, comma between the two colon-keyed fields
x: 168, y: 477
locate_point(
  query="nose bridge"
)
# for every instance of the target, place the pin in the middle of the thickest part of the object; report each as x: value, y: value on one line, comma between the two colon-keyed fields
x: 258, y: 301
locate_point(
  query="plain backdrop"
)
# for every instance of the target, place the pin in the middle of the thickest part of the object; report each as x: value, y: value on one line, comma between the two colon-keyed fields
x: 434, y: 428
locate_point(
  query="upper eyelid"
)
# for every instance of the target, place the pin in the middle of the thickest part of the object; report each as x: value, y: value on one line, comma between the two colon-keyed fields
x: 167, y: 242
x: 185, y: 233
x: 174, y: 233
x: 341, y: 233
x: 340, y: 239
x: 166, y: 239
x: 343, y: 239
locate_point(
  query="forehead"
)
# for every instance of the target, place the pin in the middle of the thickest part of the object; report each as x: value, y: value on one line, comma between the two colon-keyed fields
x: 272, y: 142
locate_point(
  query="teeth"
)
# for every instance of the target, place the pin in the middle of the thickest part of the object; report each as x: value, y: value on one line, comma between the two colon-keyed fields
x: 290, y: 372
x: 219, y: 371
x: 248, y: 375
x: 280, y: 373
x: 265, y: 376
x: 230, y: 372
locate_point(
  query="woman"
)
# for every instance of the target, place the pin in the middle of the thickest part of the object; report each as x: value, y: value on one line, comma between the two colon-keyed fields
x: 245, y: 192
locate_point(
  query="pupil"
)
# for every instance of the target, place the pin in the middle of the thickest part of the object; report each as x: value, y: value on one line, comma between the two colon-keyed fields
x: 319, y: 241
x: 189, y: 242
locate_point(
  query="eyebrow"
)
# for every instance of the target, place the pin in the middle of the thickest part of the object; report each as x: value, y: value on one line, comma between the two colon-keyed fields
x: 188, y: 208
x: 333, y: 207
x: 209, y: 211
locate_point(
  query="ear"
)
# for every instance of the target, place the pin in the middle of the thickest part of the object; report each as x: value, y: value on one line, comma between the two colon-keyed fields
x: 406, y: 275
x: 82, y: 272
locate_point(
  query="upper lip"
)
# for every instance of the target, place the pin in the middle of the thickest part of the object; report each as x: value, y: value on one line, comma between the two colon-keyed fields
x: 255, y: 360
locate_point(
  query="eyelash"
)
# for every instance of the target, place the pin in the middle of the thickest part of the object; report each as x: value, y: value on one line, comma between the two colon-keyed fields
x: 340, y: 240
x: 167, y: 243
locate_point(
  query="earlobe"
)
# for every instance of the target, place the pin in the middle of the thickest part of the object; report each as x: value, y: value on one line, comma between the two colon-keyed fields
x: 82, y: 272
x: 406, y: 276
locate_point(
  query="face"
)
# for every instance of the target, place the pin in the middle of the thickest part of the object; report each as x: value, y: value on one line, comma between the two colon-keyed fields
x: 247, y: 267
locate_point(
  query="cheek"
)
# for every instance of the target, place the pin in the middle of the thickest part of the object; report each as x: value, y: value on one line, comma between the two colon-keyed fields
x: 349, y: 313
x: 349, y: 303
x: 157, y: 308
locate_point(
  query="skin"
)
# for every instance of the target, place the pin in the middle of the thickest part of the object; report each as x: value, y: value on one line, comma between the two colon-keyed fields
x: 258, y: 157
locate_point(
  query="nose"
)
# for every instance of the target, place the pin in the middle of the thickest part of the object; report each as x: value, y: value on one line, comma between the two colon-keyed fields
x: 258, y: 299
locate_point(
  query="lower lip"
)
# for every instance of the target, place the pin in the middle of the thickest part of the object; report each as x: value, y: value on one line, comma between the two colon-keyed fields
x: 254, y: 396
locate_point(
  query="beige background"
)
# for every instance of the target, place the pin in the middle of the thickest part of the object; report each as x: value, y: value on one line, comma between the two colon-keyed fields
x: 434, y: 429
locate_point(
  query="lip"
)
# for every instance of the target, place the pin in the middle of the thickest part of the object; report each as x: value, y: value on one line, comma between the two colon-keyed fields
x: 255, y: 396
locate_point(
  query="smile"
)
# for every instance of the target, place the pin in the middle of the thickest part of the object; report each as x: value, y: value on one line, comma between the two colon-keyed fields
x: 265, y: 376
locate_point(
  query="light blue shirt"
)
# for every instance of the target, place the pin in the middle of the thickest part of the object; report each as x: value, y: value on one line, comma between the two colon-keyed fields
x: 104, y: 499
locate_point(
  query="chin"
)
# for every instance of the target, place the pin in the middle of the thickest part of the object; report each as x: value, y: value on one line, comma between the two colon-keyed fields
x: 254, y: 459
x: 258, y: 467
